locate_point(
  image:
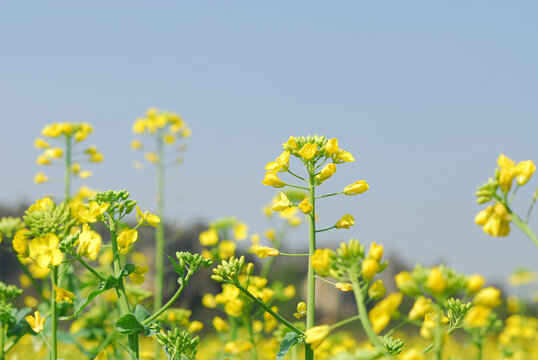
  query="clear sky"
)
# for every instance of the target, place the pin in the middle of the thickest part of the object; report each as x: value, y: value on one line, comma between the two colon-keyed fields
x: 425, y: 95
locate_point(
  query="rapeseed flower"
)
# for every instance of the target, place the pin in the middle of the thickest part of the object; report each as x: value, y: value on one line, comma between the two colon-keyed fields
x: 45, y: 250
x: 63, y: 295
x: 147, y: 218
x: 495, y: 220
x: 345, y: 222
x: 316, y: 335
x: 358, y: 187
x: 127, y: 238
x: 89, y: 243
x: 37, y: 323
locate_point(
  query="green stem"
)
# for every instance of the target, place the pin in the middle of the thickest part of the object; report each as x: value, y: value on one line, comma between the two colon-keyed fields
x: 111, y: 335
x: 333, y: 194
x: 438, y: 336
x: 268, y: 309
x: 311, y: 295
x: 36, y: 285
x: 54, y: 315
x: 297, y: 187
x: 2, y: 341
x: 530, y: 211
x: 394, y: 329
x: 120, y: 289
x: 157, y: 313
x: 344, y: 322
x: 525, y: 228
x: 363, y: 314
x: 286, y: 254
x: 159, y: 234
x: 251, y: 334
x: 326, y: 229
x: 427, y: 348
x: 90, y: 269
x: 480, y: 346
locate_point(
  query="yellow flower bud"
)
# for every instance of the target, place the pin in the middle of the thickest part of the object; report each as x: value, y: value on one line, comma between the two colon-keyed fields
x: 308, y: 151
x: 54, y: 152
x: 264, y: 251
x: 136, y: 144
x: 195, y: 326
x: 290, y: 145
x: 209, y: 237
x: 435, y: 280
x: 271, y: 179
x: 42, y: 160
x: 376, y: 252
x: 343, y: 286
x: 331, y: 147
x: 321, y: 261
x: 377, y: 290
x: 369, y: 269
x: 474, y: 283
x: 406, y: 284
x: 524, y: 171
x: 305, y: 206
x: 282, y: 203
x: 477, y: 316
x: 345, y: 222
x: 208, y: 301
x: 358, y: 187
x: 489, y: 296
x: 325, y: 173
x: 420, y: 308
x: 316, y: 335
x: 41, y: 144
x: 220, y: 325
x: 301, y: 310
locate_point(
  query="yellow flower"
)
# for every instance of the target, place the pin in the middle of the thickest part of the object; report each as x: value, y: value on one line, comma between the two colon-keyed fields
x: 316, y: 335
x: 301, y: 310
x: 89, y: 243
x: 430, y: 323
x: 474, y: 283
x: 136, y: 144
x: 20, y: 243
x: 342, y: 156
x: 151, y: 157
x: 91, y: 213
x: 97, y: 157
x: 139, y: 126
x: 343, y: 286
x: 524, y: 171
x: 506, y: 173
x: 41, y: 144
x: 208, y: 301
x: 54, y: 152
x: 52, y: 130
x: 420, y: 308
x: 325, y: 173
x: 63, y: 295
x: 435, y: 280
x: 489, y: 296
x: 264, y: 251
x: 220, y: 325
x: 477, y: 316
x: 358, y: 187
x: 345, y: 222
x: 45, y: 250
x: 270, y: 234
x: 127, y: 238
x: 369, y: 269
x: 412, y: 354
x: 290, y: 145
x: 226, y: 249
x: 495, y: 220
x: 137, y: 276
x: 85, y: 174
x: 289, y: 291
x: 209, y: 237
x: 305, y: 206
x: 308, y: 151
x: 147, y: 218
x: 282, y: 203
x: 331, y: 147
x: 195, y: 326
x: 377, y: 290
x: 41, y: 204
x: 271, y: 179
x: 240, y: 231
x: 379, y: 318
x: 40, y: 178
x: 376, y: 252
x: 30, y: 301
x: 37, y: 323
x: 43, y: 160
x: 321, y: 261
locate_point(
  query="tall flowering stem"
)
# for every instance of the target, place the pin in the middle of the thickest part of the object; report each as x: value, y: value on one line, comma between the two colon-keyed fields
x: 54, y: 313
x: 311, y: 297
x: 159, y: 234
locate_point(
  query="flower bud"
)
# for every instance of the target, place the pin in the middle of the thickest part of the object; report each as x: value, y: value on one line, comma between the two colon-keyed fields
x: 369, y: 269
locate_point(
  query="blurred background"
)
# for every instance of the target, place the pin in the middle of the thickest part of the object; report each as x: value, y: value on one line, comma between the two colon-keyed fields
x: 424, y: 95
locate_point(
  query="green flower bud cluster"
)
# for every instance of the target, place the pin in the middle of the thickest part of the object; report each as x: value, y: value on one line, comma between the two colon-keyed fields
x: 393, y: 346
x: 456, y: 311
x: 178, y: 344
x: 8, y: 292
x: 9, y: 226
x: 485, y: 192
x: 118, y: 202
x: 228, y: 271
x: 449, y: 282
x: 320, y: 141
x: 50, y: 219
x: 194, y: 262
x: 67, y: 245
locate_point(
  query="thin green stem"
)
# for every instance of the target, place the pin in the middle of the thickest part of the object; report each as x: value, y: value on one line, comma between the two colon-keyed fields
x: 90, y: 269
x: 159, y: 233
x: 2, y: 334
x: 427, y: 348
x: 297, y: 187
x: 513, y: 194
x: 397, y: 327
x: 363, y: 314
x: 297, y: 176
x: 45, y: 340
x: 311, y: 295
x: 286, y: 254
x: 268, y: 309
x: 35, y: 284
x: 344, y: 322
x: 325, y: 280
x: 438, y: 336
x: 251, y: 335
x: 333, y: 194
x: 525, y: 228
x: 157, y: 313
x: 54, y: 313
x: 111, y: 335
x: 329, y: 228
x: 529, y: 211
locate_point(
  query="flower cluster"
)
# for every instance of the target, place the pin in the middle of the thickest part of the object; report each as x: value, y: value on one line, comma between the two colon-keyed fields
x: 68, y: 134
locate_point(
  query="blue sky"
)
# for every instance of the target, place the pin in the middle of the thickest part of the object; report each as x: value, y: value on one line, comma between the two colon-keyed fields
x: 424, y: 95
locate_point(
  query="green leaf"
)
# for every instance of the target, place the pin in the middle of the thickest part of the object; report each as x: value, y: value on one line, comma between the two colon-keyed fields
x: 177, y: 268
x: 110, y: 283
x: 129, y: 324
x: 141, y: 313
x: 127, y: 269
x: 290, y: 339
